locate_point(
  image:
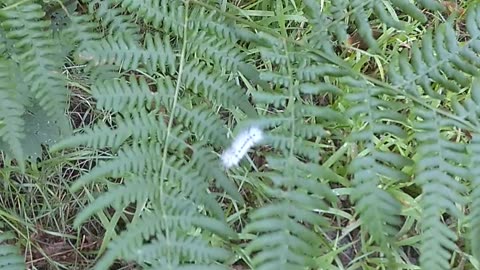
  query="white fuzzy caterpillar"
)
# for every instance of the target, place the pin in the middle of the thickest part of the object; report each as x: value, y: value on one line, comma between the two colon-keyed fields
x: 240, y: 146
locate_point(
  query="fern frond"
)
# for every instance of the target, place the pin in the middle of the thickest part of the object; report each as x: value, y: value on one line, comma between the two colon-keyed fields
x: 11, y: 111
x: 114, y: 19
x: 135, y: 125
x: 81, y: 31
x: 440, y: 60
x: 339, y: 27
x: 137, y: 159
x: 305, y: 131
x: 135, y: 189
x: 127, y: 95
x: 37, y: 53
x: 207, y: 165
x: 330, y: 19
x: 170, y: 213
x: 222, y: 52
x: 378, y: 210
x: 198, y: 76
x: 360, y: 16
x: 124, y: 51
x: 166, y: 15
x: 361, y: 8
x: 318, y: 88
x: 475, y: 213
x: 214, y: 23
x: 380, y: 10
x: 181, y: 246
x: 313, y: 72
x: 277, y: 78
x: 273, y: 55
x: 440, y: 162
x: 438, y: 63
x: 326, y: 114
x: 469, y: 110
x: 10, y: 257
x: 299, y: 146
x: 143, y: 186
x: 144, y: 159
x: 132, y: 159
x: 320, y: 35
x: 276, y: 100
x: 203, y: 123
x: 285, y: 243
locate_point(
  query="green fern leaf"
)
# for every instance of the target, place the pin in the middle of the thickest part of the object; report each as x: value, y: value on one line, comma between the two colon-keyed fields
x: 81, y: 31
x: 135, y: 189
x: 198, y: 76
x: 276, y: 78
x: 164, y: 142
x: 37, y: 54
x: 439, y: 163
x: 170, y: 212
x: 290, y: 245
x: 320, y: 22
x: 165, y: 15
x: 439, y: 62
x: 206, y: 163
x: 125, y: 51
x: 143, y: 158
x: 11, y: 112
x: 112, y: 18
x: 204, y: 123
x: 469, y: 110
x: 220, y: 51
x: 451, y: 63
x: 475, y: 214
x: 180, y: 247
x: 331, y: 19
x: 299, y: 146
x: 10, y: 257
x: 380, y: 9
x: 378, y: 210
x: 270, y: 98
x: 136, y: 126
x: 127, y: 95
x: 361, y: 21
x: 284, y: 241
x: 215, y: 24
x: 134, y: 159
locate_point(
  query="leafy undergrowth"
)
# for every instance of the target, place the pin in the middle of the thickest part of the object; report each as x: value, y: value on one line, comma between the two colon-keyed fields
x: 40, y: 208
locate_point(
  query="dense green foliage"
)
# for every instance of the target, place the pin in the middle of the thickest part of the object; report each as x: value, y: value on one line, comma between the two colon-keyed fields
x: 31, y: 84
x: 177, y: 75
x: 10, y: 257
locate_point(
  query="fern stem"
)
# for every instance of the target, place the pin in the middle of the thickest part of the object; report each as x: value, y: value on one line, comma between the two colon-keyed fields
x: 170, y: 119
x: 291, y: 102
